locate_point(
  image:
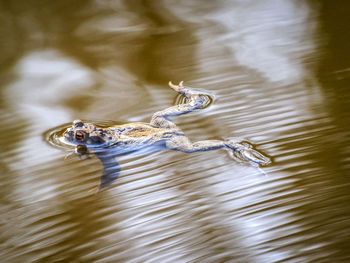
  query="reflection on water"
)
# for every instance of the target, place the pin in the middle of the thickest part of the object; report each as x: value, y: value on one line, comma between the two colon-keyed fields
x: 278, y: 74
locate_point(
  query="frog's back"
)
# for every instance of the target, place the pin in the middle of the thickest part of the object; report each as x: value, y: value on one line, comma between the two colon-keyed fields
x: 141, y: 132
x: 137, y: 129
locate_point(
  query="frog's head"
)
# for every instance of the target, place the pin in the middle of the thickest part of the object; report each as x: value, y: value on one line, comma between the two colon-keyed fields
x: 84, y: 134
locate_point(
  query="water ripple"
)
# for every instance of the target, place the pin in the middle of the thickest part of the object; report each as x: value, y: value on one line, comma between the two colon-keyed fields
x: 258, y: 70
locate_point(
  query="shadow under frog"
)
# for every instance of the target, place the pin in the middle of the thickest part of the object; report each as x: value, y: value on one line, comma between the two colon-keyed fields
x: 160, y: 134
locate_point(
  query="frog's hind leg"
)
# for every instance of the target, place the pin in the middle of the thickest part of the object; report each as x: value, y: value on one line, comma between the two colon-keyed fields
x: 162, y: 118
x: 111, y: 169
x: 183, y: 144
x: 241, y: 151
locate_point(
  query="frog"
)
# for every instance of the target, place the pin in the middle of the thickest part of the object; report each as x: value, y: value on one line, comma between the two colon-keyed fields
x: 161, y: 133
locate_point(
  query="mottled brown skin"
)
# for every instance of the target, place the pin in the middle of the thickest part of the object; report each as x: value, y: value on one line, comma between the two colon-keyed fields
x: 160, y: 134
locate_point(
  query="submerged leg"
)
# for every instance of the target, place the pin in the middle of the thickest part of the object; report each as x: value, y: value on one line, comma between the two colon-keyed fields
x: 161, y: 118
x: 243, y: 152
x: 111, y: 169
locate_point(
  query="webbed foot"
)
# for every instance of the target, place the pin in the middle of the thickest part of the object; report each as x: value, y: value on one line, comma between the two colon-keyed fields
x: 184, y: 91
x: 245, y: 152
x: 178, y: 88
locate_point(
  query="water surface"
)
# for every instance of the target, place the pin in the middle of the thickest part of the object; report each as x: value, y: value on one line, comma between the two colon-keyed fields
x: 278, y: 72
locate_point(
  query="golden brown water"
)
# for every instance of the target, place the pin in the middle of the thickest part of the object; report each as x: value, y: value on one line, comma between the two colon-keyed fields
x: 279, y: 75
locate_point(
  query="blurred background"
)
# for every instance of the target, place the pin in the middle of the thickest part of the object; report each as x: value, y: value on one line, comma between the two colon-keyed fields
x: 279, y: 74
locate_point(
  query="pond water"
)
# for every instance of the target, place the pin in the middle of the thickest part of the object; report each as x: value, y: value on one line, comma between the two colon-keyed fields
x: 278, y: 73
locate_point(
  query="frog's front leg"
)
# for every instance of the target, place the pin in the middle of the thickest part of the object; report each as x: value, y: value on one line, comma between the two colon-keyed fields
x: 81, y: 151
x: 111, y: 169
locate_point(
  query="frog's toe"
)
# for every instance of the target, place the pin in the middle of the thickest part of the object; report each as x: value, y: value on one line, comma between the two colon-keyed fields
x: 245, y: 153
x: 178, y: 88
x: 256, y: 157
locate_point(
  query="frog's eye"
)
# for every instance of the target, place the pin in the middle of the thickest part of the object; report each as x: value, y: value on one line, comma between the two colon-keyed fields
x: 79, y: 135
